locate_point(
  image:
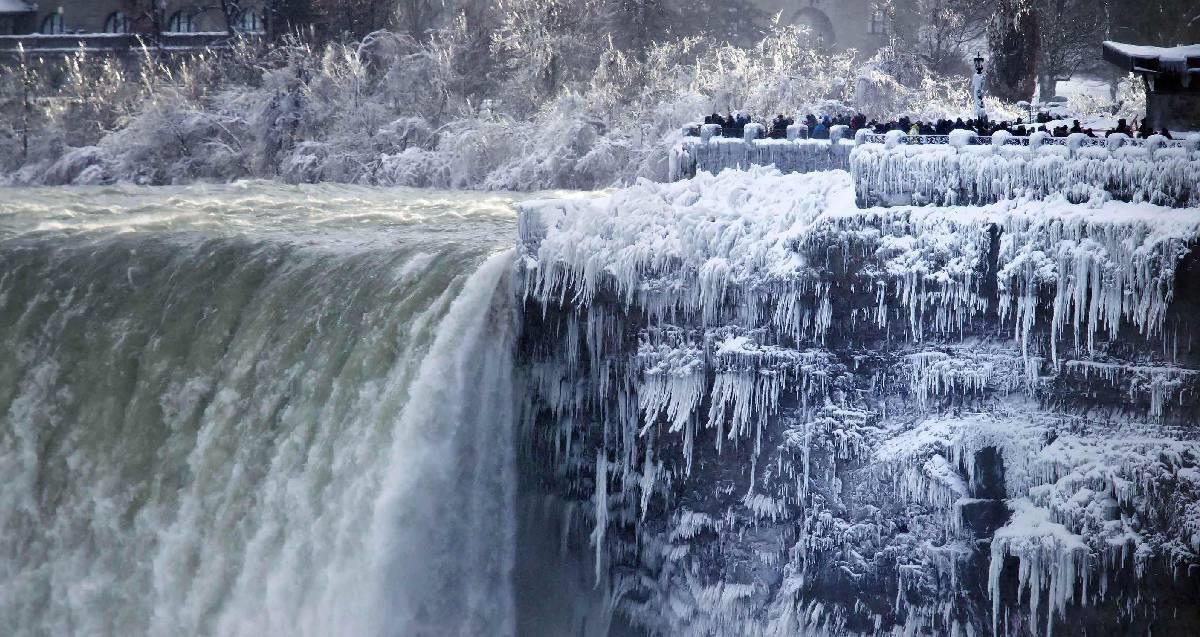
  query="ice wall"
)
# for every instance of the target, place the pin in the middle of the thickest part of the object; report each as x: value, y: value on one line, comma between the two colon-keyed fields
x: 715, y: 154
x: 781, y: 414
x: 1080, y: 168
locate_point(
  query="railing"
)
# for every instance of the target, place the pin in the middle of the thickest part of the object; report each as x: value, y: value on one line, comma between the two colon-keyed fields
x: 965, y: 169
x: 120, y: 43
x: 1023, y: 140
x: 755, y: 131
x: 863, y: 136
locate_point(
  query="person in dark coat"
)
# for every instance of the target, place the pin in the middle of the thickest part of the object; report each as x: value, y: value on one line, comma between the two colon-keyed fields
x: 821, y: 131
x: 1122, y: 127
x: 778, y: 127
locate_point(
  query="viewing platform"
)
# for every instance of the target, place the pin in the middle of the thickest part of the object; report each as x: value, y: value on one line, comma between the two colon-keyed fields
x: 704, y: 149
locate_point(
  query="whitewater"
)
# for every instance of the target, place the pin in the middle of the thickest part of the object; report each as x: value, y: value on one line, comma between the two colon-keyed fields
x: 257, y: 409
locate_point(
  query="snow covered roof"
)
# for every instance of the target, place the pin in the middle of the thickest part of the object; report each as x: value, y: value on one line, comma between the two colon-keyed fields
x: 1154, y: 59
x: 15, y: 6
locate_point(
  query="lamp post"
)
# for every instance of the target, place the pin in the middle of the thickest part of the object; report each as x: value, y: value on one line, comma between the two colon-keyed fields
x: 977, y: 89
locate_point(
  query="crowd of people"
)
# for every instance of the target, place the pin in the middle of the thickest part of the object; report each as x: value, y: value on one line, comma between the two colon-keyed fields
x: 1018, y: 128
x: 734, y: 125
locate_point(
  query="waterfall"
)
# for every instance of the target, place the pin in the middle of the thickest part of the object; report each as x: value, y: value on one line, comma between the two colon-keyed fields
x: 448, y: 570
x: 221, y: 425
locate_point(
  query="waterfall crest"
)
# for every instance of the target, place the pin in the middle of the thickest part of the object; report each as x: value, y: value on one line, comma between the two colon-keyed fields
x: 249, y: 432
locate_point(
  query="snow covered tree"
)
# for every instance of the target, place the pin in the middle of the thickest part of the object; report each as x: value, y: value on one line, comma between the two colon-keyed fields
x: 417, y: 18
x: 635, y: 24
x: 1013, y: 39
x: 547, y: 43
x: 1069, y: 34
x: 940, y: 31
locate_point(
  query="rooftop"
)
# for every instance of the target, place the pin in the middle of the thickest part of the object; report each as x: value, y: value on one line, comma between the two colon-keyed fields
x: 15, y: 6
x: 1154, y: 59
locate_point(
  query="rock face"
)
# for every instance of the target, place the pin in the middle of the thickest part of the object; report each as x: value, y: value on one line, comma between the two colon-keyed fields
x: 779, y: 414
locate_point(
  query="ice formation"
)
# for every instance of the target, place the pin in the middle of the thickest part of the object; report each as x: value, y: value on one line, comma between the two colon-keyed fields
x: 714, y: 154
x: 953, y: 171
x: 790, y: 415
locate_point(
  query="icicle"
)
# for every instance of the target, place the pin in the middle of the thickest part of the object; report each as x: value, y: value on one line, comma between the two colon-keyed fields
x: 601, y: 503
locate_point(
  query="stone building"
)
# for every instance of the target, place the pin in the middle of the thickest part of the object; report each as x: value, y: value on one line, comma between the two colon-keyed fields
x: 16, y: 16
x: 123, y: 16
x: 843, y: 24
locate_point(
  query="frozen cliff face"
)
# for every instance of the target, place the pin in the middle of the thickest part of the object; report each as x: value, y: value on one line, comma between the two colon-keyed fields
x: 781, y: 414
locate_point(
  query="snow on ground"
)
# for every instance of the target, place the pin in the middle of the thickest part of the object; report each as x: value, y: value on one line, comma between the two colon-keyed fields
x: 1082, y: 86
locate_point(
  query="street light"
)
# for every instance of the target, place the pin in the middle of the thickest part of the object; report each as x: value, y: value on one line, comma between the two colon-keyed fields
x: 977, y: 89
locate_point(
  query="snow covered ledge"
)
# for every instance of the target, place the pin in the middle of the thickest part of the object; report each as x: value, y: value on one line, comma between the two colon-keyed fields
x: 782, y: 414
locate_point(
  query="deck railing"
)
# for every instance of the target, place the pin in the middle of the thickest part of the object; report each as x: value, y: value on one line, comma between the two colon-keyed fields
x: 1079, y: 140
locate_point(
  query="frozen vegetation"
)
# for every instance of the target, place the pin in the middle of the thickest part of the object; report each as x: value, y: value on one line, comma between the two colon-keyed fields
x: 503, y: 99
x: 514, y: 108
x: 783, y: 414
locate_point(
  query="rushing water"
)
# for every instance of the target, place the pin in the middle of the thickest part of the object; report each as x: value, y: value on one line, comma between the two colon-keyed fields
x: 256, y: 410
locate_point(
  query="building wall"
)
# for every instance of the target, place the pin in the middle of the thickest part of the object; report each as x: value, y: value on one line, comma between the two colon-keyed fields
x: 89, y: 16
x: 1174, y: 111
x: 842, y: 24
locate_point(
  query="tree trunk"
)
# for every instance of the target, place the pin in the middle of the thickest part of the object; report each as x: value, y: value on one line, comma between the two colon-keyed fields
x: 1047, y: 86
